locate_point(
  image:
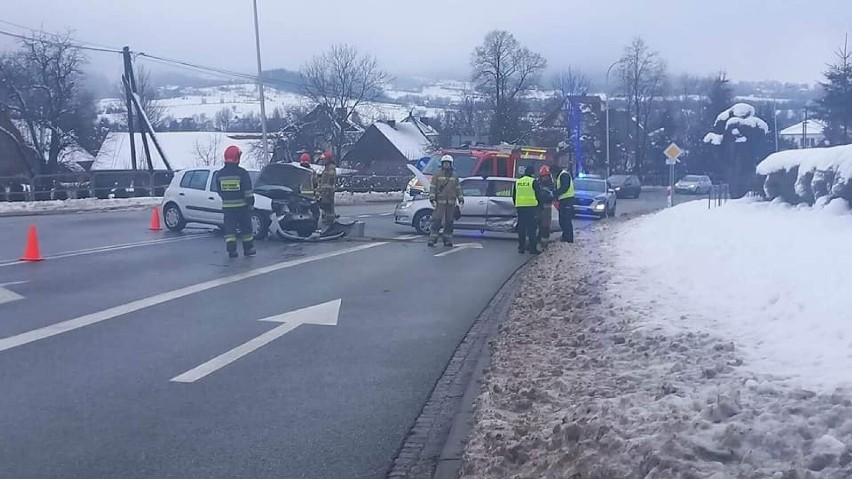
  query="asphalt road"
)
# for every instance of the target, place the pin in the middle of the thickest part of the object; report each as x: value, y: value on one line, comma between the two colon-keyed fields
x: 106, y: 347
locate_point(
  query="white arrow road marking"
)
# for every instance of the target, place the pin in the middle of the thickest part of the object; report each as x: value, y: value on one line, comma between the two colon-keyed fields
x: 458, y: 248
x: 82, y: 321
x: 7, y: 296
x: 322, y: 314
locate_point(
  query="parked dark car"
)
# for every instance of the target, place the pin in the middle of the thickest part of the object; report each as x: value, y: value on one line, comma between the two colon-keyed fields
x: 626, y: 186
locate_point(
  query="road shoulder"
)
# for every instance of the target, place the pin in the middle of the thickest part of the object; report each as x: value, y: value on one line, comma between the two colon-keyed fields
x: 435, y: 444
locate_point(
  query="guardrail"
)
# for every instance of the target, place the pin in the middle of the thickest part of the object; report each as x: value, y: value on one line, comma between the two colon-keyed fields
x: 129, y: 184
x: 719, y: 195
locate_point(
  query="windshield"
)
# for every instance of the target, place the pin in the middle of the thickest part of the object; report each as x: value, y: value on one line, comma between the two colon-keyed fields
x: 693, y: 178
x: 462, y: 164
x: 617, y: 179
x: 597, y: 186
x: 521, y: 165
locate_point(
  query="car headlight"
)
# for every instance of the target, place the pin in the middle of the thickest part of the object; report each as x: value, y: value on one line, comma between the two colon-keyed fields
x: 406, y: 205
x: 600, y: 206
x: 617, y: 188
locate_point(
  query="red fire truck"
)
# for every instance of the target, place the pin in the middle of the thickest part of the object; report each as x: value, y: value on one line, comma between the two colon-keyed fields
x: 505, y: 160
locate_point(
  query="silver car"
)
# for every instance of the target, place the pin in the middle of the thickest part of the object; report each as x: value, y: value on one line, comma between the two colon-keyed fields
x: 694, y: 185
x: 488, y: 206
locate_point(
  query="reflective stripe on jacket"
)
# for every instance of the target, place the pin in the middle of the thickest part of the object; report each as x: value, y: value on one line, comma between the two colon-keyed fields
x: 525, y: 192
x: 569, y: 193
x: 234, y: 187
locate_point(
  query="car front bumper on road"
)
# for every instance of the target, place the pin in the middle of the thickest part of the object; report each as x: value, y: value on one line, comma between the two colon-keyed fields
x: 404, y: 213
x: 589, y: 207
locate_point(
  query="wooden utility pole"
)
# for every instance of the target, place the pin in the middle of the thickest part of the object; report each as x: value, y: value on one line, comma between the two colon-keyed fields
x: 129, y: 102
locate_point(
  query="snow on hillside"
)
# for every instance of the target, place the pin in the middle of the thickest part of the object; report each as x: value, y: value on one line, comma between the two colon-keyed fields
x: 242, y: 100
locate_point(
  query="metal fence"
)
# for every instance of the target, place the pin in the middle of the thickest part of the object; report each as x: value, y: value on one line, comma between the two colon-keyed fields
x: 130, y: 184
x: 376, y: 184
x: 719, y: 195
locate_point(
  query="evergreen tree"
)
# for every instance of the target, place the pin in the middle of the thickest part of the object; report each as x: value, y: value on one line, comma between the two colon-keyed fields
x: 835, y: 107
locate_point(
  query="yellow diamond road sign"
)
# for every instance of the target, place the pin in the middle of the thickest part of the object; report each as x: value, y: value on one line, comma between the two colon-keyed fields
x: 673, y: 151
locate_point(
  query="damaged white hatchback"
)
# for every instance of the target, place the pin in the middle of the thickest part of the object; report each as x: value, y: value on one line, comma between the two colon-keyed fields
x: 488, y: 206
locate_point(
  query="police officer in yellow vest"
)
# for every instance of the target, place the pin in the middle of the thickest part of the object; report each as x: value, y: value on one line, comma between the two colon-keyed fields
x: 233, y: 184
x: 565, y: 195
x: 526, y: 195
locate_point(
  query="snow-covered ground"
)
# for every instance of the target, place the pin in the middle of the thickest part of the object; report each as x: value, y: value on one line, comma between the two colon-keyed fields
x: 692, y: 343
x: 76, y: 205
x: 770, y: 277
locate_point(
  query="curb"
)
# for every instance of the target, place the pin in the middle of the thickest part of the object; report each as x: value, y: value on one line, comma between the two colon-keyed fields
x: 435, y: 444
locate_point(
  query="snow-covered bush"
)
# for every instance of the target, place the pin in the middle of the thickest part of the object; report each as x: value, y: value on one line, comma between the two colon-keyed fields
x: 813, y: 175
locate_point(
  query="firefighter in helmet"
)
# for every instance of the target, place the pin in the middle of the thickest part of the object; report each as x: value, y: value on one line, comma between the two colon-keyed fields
x: 233, y: 184
x: 444, y: 193
x: 309, y: 186
x: 325, y: 188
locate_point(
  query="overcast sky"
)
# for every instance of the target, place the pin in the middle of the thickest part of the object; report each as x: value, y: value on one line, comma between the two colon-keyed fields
x: 789, y: 40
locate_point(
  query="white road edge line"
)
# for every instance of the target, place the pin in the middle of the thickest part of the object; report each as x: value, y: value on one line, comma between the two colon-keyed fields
x: 363, y: 216
x: 407, y: 237
x: 133, y: 306
x: 106, y: 249
x: 386, y: 214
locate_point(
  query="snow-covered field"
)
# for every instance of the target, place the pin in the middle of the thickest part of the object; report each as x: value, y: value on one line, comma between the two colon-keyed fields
x: 693, y: 343
x: 242, y: 100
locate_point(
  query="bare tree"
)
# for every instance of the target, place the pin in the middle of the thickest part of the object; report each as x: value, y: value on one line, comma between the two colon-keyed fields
x: 223, y: 119
x: 642, y: 73
x: 571, y: 82
x: 40, y: 86
x: 207, y: 151
x: 340, y: 80
x: 503, y: 70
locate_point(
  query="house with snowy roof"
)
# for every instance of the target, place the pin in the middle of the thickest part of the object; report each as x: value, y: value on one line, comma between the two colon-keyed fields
x: 387, y: 147
x: 805, y: 134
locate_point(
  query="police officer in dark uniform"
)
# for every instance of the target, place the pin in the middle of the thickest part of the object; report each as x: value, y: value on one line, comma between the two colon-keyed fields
x: 234, y: 186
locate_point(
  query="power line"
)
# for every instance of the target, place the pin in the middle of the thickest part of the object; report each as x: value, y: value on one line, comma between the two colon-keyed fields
x: 67, y: 40
x: 51, y: 42
x: 55, y: 35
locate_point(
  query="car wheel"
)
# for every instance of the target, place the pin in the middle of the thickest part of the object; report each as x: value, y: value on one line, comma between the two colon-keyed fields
x: 423, y: 222
x: 259, y: 224
x: 173, y: 218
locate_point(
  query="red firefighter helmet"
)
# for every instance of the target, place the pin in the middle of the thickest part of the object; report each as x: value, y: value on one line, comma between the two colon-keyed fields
x: 233, y: 154
x: 327, y: 155
x: 305, y: 159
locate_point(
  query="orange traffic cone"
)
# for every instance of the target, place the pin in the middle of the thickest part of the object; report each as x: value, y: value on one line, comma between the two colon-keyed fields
x: 155, y: 220
x: 31, y: 252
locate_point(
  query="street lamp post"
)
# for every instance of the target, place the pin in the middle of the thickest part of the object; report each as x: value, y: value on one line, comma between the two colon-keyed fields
x: 260, y: 87
x: 606, y: 106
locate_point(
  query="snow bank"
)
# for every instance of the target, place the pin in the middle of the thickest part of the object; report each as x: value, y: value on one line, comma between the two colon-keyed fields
x: 773, y: 278
x: 836, y: 158
x: 76, y: 205
x: 581, y: 386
